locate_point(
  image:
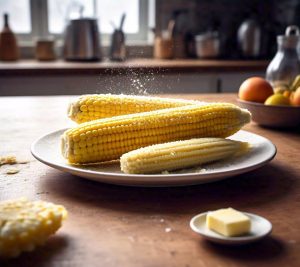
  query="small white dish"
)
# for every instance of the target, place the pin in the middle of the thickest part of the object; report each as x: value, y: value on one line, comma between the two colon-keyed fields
x: 260, y: 228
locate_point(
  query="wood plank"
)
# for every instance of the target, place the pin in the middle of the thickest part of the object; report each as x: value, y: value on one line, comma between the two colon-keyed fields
x: 32, y: 67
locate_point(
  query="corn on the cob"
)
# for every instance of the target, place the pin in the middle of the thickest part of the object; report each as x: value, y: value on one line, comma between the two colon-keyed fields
x: 178, y: 155
x: 92, y: 107
x: 25, y: 224
x: 107, y: 139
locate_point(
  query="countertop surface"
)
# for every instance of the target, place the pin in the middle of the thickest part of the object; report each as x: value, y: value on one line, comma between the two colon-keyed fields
x: 25, y: 67
x: 130, y: 226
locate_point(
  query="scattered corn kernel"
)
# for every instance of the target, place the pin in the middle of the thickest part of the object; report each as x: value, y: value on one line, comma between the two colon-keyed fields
x: 12, y: 171
x: 23, y: 161
x: 25, y: 224
x: 8, y: 160
x: 11, y: 160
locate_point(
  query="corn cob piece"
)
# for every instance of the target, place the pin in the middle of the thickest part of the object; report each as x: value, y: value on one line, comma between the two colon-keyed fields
x: 179, y: 154
x: 92, y: 107
x: 25, y: 224
x: 108, y: 139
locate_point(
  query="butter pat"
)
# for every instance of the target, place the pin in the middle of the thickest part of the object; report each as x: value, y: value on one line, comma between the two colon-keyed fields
x: 228, y: 222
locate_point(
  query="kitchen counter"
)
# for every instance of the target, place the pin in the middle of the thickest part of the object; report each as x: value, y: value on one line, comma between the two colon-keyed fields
x: 33, y: 67
x: 130, y: 226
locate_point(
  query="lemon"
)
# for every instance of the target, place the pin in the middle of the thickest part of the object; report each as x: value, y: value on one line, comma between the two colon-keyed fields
x: 277, y: 100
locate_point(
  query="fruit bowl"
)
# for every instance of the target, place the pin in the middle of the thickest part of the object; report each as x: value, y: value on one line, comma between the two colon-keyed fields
x: 272, y: 116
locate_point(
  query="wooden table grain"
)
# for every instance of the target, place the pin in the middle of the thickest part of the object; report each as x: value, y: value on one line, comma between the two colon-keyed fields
x: 112, y: 225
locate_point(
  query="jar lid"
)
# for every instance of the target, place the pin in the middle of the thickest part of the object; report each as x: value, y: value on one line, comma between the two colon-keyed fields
x: 206, y: 36
x: 291, y: 37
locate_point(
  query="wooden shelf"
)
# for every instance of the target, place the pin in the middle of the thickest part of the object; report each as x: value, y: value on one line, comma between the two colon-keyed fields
x: 32, y: 67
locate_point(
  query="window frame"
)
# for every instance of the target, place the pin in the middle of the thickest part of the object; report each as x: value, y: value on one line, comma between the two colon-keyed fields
x: 39, y: 24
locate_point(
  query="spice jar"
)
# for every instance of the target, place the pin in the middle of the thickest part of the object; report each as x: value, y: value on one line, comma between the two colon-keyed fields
x: 44, y: 49
x: 163, y: 48
x: 285, y: 66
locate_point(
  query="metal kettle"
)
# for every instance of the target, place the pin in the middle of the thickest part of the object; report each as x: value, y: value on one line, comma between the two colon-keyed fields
x: 82, y: 42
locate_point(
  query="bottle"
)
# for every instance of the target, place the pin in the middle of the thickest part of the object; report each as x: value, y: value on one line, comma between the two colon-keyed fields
x: 118, y: 48
x: 249, y: 39
x: 9, y: 50
x: 285, y: 66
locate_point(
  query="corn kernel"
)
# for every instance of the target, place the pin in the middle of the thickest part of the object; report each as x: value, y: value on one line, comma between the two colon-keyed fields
x: 25, y: 224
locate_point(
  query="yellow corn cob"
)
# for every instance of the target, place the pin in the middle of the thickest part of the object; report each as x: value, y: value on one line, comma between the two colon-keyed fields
x: 108, y: 139
x: 25, y: 224
x: 92, y: 107
x: 178, y: 155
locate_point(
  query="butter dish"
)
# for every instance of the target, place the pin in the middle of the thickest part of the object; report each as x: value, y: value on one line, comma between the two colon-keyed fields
x: 260, y: 228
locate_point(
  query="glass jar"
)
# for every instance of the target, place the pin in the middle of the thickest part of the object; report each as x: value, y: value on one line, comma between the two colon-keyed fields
x: 285, y: 66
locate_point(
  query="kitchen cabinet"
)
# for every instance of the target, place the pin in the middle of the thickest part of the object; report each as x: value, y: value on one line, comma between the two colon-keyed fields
x: 230, y: 82
x: 127, y: 84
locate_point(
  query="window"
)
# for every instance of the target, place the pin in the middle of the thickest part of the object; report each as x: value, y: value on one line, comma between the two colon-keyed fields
x: 108, y: 13
x: 59, y: 11
x: 40, y: 18
x: 19, y: 15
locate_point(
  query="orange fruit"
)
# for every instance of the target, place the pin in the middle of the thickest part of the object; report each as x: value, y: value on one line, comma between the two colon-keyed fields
x: 255, y: 89
x: 295, y: 97
x: 287, y: 93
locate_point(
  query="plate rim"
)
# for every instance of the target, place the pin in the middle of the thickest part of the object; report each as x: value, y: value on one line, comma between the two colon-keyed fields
x: 231, y: 240
x: 218, y: 175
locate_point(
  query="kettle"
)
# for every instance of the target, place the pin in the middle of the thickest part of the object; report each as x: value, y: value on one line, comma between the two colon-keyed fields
x: 82, y: 42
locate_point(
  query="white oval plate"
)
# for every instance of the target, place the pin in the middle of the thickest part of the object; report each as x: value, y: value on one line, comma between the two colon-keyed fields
x: 260, y: 228
x: 47, y: 150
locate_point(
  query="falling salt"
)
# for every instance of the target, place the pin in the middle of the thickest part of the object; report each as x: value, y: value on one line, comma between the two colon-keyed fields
x: 132, y: 81
x: 168, y: 230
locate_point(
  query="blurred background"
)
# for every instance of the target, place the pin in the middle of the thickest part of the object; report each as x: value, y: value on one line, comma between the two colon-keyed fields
x: 137, y: 46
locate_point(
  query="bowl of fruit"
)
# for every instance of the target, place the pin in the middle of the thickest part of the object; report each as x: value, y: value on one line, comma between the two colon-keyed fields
x: 278, y: 108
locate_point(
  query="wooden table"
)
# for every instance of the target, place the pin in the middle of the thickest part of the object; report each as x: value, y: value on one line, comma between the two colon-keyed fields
x: 126, y: 226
